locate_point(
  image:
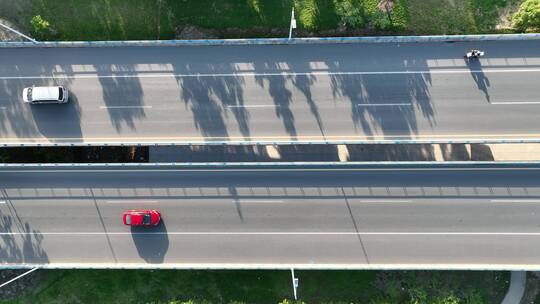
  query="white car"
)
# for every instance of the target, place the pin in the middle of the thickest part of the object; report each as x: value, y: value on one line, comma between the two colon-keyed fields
x: 39, y: 95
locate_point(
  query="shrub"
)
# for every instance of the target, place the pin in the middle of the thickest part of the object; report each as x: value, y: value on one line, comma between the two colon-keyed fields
x: 285, y: 301
x: 486, y: 14
x: 307, y: 14
x: 381, y: 21
x: 528, y: 16
x: 41, y: 28
x: 395, y: 20
x: 400, y: 15
x: 350, y: 14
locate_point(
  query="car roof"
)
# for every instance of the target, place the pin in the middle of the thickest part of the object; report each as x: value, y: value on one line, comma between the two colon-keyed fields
x: 46, y: 93
x: 134, y: 218
x: 139, y: 211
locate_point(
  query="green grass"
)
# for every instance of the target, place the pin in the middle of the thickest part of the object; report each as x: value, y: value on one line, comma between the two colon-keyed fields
x: 441, y: 17
x: 175, y: 286
x: 153, y: 19
x: 471, y: 287
x: 150, y: 19
x: 142, y: 286
x: 455, y: 16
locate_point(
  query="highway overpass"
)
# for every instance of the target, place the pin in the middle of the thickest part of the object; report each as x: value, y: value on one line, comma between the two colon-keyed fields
x: 268, y: 93
x: 276, y: 217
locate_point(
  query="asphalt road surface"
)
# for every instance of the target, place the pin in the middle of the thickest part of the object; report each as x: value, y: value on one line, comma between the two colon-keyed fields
x: 331, y: 92
x: 348, y: 217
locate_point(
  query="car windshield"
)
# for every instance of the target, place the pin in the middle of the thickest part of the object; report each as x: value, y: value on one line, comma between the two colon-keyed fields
x: 60, y: 93
x: 128, y: 219
x: 146, y: 219
x: 29, y: 94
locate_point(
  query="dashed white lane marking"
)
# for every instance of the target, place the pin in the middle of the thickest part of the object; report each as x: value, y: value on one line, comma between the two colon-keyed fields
x: 384, y: 201
x: 2, y: 202
x: 516, y: 103
x: 259, y: 201
x: 285, y: 73
x: 253, y: 106
x: 131, y: 202
x: 515, y: 201
x: 125, y: 107
x: 382, y: 104
x: 276, y: 233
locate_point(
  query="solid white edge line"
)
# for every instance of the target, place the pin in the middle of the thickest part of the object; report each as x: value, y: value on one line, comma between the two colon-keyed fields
x: 248, y: 74
x: 278, y: 266
x: 220, y: 233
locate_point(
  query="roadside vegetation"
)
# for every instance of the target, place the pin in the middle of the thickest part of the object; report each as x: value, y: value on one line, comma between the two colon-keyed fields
x: 166, y: 19
x: 528, y: 16
x: 175, y: 287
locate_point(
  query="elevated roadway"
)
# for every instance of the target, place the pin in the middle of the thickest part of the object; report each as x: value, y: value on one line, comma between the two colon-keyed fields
x: 282, y: 93
x: 304, y: 217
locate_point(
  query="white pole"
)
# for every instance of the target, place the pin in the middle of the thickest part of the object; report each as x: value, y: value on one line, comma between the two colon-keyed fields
x: 294, y: 283
x: 17, y: 32
x: 293, y: 24
x: 20, y: 276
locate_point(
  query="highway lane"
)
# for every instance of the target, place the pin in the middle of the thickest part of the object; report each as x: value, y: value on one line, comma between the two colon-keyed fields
x: 274, y: 93
x: 348, y: 217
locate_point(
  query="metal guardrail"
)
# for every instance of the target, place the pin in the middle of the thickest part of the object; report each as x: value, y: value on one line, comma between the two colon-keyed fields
x: 266, y: 41
x: 272, y: 142
x: 276, y: 165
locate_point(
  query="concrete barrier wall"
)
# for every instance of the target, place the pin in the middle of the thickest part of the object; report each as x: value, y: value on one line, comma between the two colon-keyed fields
x: 275, y: 165
x: 272, y: 142
x: 265, y: 41
x: 205, y: 266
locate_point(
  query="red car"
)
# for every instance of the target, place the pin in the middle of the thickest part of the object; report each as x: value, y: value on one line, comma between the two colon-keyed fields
x: 141, y: 217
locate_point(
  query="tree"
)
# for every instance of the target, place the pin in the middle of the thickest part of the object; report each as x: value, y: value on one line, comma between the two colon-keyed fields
x: 528, y: 16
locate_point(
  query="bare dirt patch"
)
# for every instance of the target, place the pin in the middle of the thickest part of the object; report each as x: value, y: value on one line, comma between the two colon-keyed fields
x: 20, y: 287
x: 7, y: 35
x: 505, y: 15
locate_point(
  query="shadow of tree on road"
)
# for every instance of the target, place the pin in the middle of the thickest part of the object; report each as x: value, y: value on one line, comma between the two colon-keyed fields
x: 123, y: 96
x: 282, y: 98
x: 385, y: 105
x: 211, y: 99
x: 25, y: 246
